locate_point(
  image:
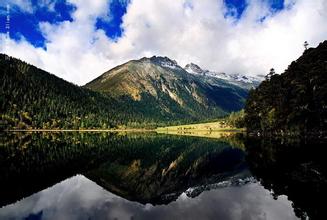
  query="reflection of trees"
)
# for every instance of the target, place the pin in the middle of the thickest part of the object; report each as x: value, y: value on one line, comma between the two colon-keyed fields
x: 30, y: 162
x: 292, y: 168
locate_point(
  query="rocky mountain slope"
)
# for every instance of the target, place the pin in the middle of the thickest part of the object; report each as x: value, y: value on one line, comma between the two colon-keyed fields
x: 160, y: 86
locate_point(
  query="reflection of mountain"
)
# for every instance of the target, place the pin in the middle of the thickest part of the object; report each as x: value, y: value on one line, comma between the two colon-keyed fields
x: 177, y: 164
x: 295, y: 169
x: 149, y: 164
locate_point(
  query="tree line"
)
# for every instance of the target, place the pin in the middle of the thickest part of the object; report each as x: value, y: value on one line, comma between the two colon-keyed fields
x: 293, y: 102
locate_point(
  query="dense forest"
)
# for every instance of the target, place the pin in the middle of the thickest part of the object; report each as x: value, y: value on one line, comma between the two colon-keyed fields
x: 33, y: 98
x: 294, y: 102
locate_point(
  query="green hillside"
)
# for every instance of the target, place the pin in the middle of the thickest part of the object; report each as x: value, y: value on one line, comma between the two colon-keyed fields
x: 294, y: 102
x: 33, y: 98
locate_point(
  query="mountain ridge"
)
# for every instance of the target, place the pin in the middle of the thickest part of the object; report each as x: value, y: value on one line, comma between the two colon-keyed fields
x: 139, y: 93
x: 164, y: 81
x: 248, y: 82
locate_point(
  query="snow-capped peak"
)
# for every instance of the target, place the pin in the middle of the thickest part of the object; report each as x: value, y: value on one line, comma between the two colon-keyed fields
x: 194, y: 69
x: 165, y: 62
x: 236, y: 79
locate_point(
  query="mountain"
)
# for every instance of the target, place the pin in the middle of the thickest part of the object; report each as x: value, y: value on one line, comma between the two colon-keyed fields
x: 247, y: 82
x: 294, y: 102
x: 148, y: 92
x: 159, y: 87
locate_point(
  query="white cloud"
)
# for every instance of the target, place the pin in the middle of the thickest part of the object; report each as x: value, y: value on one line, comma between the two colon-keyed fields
x: 185, y: 30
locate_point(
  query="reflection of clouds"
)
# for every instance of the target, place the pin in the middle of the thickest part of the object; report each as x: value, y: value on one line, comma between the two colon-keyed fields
x: 80, y: 198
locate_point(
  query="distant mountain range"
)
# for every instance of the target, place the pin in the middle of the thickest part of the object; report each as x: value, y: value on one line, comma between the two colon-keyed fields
x: 146, y: 92
x: 247, y: 82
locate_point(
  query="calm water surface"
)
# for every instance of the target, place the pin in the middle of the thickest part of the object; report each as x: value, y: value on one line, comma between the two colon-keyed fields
x: 156, y: 176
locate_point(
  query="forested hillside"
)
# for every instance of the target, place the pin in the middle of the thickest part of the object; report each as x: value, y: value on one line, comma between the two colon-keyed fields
x: 31, y: 97
x: 293, y: 102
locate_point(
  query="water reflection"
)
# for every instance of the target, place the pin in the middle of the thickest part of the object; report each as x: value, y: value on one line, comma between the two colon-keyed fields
x: 155, y: 176
x: 160, y: 169
x: 296, y: 168
x: 142, y: 167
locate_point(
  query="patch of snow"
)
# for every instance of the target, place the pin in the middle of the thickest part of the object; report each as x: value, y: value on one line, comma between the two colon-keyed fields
x: 165, y: 62
x: 235, y: 79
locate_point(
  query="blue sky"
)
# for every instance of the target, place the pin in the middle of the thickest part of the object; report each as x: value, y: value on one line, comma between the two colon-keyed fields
x: 233, y: 36
x: 112, y: 27
x: 24, y: 23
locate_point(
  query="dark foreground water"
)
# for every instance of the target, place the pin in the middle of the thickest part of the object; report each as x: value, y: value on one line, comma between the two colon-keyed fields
x: 156, y: 176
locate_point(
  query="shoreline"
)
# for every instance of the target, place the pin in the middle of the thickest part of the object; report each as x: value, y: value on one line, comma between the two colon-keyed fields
x: 186, y: 128
x: 202, y: 130
x: 124, y: 130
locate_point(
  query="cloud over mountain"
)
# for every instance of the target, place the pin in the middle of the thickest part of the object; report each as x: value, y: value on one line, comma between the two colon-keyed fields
x: 207, y: 32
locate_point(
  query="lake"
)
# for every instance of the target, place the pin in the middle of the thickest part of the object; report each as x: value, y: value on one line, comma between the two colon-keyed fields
x: 107, y: 175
